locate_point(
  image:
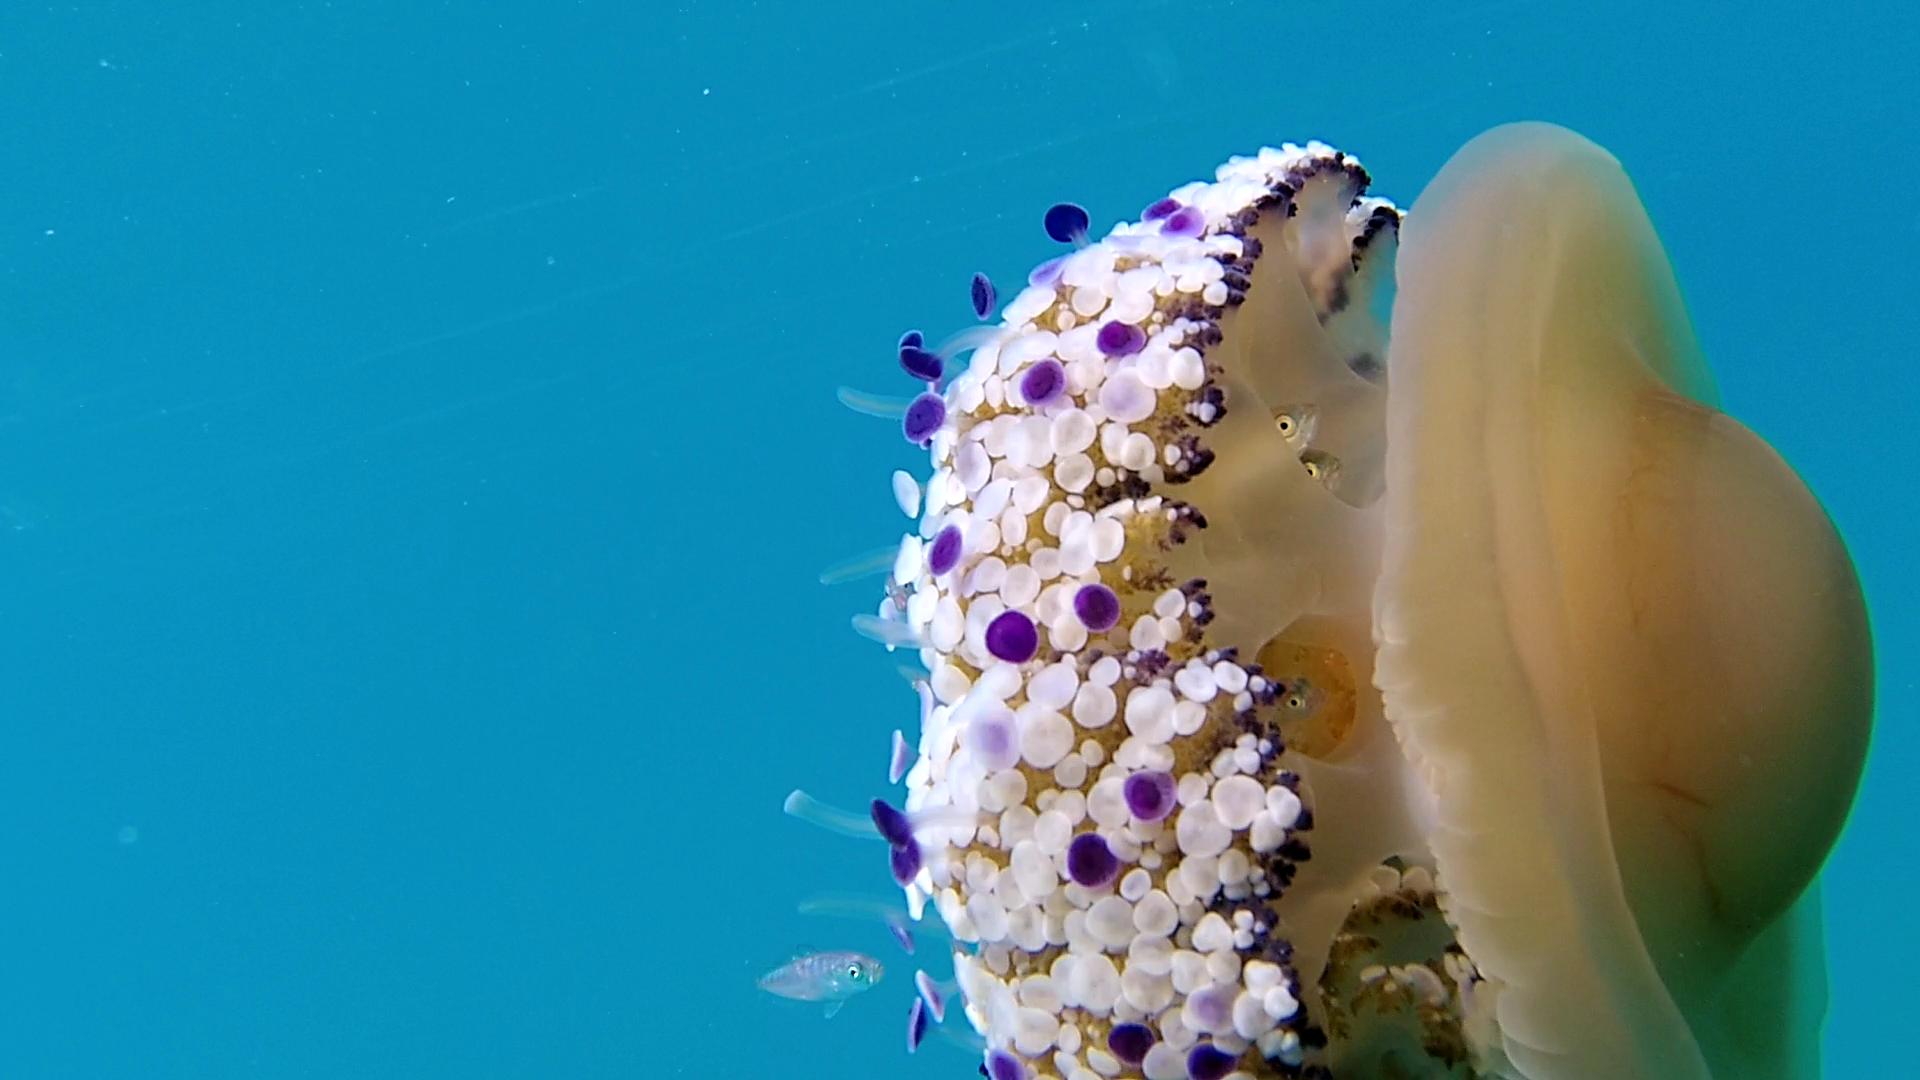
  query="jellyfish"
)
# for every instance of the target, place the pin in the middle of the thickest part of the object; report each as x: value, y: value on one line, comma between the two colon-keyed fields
x: 1365, y: 649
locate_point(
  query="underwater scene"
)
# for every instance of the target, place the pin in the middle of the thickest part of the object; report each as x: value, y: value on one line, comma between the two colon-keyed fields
x: 1136, y: 540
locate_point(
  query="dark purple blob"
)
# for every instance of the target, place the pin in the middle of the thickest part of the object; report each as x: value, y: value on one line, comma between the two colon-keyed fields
x: 1121, y: 339
x: 1004, y: 1066
x: 916, y: 1024
x: 893, y: 824
x: 1047, y: 273
x: 984, y: 297
x: 905, y: 864
x: 922, y: 364
x: 1130, y: 1042
x: 944, y: 553
x: 1044, y: 382
x: 924, y: 416
x: 1067, y: 223
x: 1209, y: 1062
x: 1149, y: 795
x: 1186, y: 221
x: 1098, y: 608
x: 1162, y: 209
x: 1090, y: 862
x: 1012, y: 637
x: 912, y: 339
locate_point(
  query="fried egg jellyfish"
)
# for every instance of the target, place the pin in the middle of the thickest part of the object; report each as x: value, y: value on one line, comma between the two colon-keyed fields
x: 1360, y: 648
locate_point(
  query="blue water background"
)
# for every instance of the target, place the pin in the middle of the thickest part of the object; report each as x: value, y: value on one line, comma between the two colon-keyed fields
x: 417, y: 446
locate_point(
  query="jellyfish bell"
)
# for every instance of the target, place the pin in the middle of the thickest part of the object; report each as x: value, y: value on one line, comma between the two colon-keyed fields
x: 1615, y: 628
x: 1451, y: 694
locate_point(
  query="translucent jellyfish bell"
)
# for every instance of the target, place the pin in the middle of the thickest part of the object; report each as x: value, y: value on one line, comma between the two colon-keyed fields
x: 1617, y: 634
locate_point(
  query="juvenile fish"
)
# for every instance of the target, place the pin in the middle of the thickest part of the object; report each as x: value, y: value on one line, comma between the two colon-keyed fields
x: 832, y: 977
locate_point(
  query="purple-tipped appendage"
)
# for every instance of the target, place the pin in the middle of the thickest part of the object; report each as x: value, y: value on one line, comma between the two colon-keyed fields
x: 902, y: 934
x: 930, y: 993
x: 1149, y: 795
x: 1091, y: 862
x: 1047, y: 273
x: 1118, y: 338
x: 1002, y: 1065
x: 1130, y: 1042
x: 1209, y: 1062
x: 925, y: 415
x: 1186, y: 221
x: 1163, y: 209
x: 1212, y: 1005
x: 905, y: 864
x: 921, y: 363
x: 893, y: 825
x: 944, y: 553
x: 902, y: 758
x: 1097, y: 607
x: 1044, y: 383
x: 1012, y: 637
x: 983, y: 296
x: 916, y: 1025
x: 1067, y: 223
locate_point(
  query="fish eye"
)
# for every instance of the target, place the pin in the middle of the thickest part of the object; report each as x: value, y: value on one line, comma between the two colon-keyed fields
x: 1295, y: 423
x: 853, y: 971
x: 1298, y: 694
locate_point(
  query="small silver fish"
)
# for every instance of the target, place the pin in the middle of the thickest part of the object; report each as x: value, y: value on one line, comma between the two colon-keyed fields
x: 832, y: 977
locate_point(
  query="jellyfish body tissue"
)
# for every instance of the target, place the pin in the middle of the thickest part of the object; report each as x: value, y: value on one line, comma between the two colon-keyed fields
x: 1342, y: 668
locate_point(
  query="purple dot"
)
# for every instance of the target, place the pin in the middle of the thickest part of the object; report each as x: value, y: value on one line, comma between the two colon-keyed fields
x: 1090, y: 862
x: 983, y: 296
x: 1162, y: 209
x: 944, y: 553
x: 1067, y: 223
x: 1044, y: 382
x: 916, y: 1024
x: 1047, y: 273
x: 1121, y: 339
x: 893, y: 824
x: 1149, y: 795
x: 1098, y: 608
x: 1186, y: 221
x: 993, y: 737
x: 1130, y: 1042
x: 1209, y: 1062
x: 1004, y: 1066
x: 922, y: 364
x: 1213, y: 1005
x: 1011, y: 637
x: 905, y: 863
x: 924, y: 416
x: 912, y: 338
